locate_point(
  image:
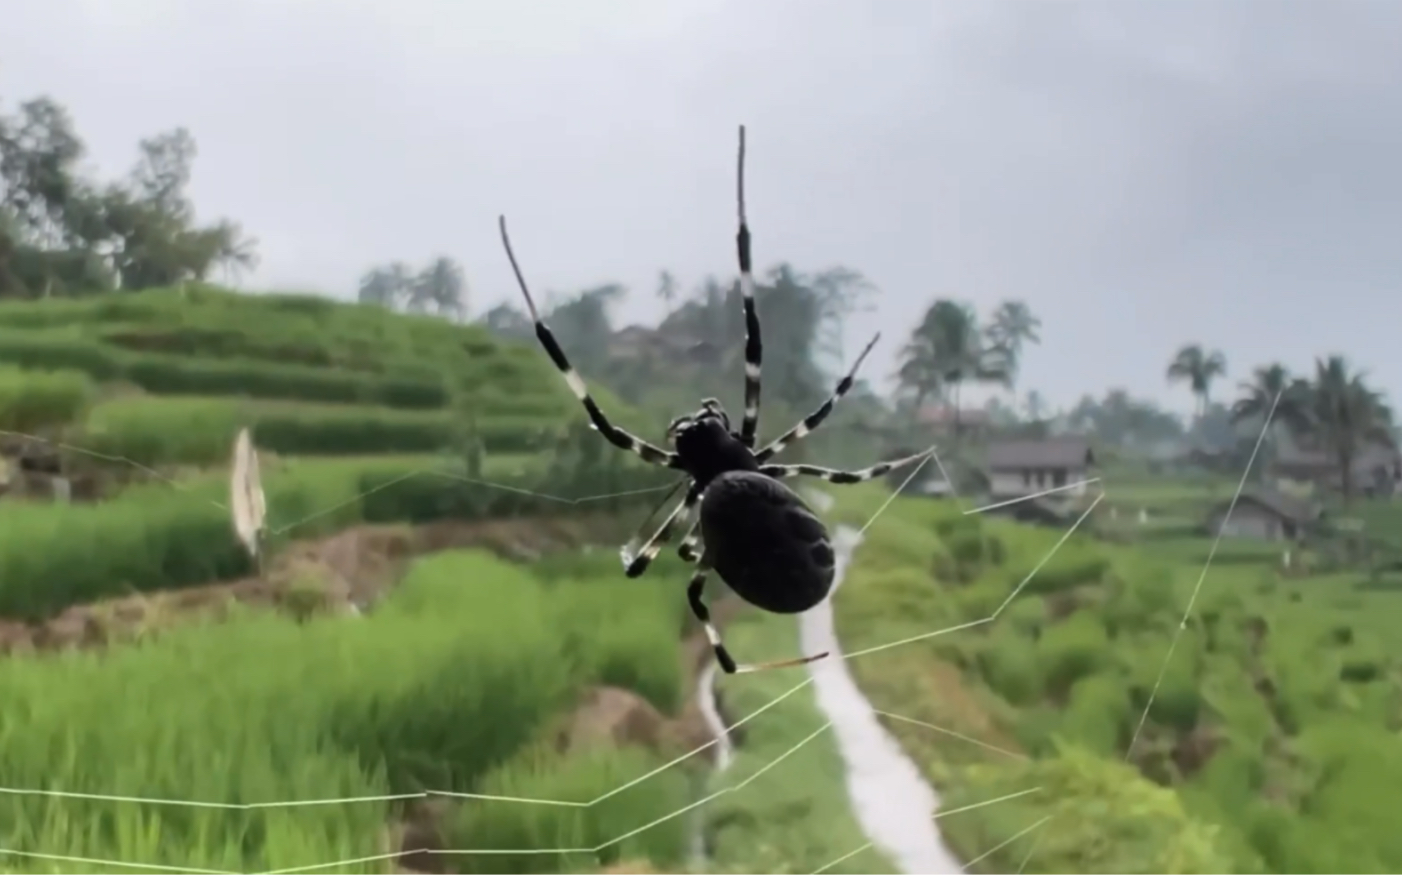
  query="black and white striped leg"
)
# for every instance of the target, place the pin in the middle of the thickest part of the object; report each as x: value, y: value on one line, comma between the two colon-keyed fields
x: 690, y: 549
x: 814, y: 419
x: 754, y: 348
x: 635, y: 564
x: 832, y: 475
x: 694, y: 592
x: 612, y: 433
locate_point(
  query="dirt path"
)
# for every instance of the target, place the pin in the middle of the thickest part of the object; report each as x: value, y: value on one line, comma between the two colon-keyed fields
x: 890, y: 797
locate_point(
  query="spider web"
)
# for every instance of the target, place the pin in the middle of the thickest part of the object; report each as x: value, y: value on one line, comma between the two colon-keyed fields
x: 1035, y: 830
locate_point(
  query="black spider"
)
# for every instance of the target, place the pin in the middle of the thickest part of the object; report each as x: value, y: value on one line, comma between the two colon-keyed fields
x: 758, y: 535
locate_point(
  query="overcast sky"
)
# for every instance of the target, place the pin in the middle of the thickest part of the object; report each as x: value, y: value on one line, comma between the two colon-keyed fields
x: 1143, y: 174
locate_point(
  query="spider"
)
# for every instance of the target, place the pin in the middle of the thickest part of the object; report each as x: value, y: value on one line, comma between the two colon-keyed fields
x: 755, y: 532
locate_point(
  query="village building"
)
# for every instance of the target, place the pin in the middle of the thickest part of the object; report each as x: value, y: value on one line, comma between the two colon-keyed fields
x: 1026, y: 467
x: 1376, y: 472
x: 1263, y: 514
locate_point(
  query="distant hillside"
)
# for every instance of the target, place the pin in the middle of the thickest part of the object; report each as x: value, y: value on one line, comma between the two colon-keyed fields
x: 166, y: 376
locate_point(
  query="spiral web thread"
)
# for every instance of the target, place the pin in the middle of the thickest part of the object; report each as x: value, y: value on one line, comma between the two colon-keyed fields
x: 1034, y: 830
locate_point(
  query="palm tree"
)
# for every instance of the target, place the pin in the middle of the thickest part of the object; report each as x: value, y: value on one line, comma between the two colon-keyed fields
x: 441, y: 286
x: 1012, y: 326
x: 1199, y: 369
x: 948, y: 349
x: 1259, y: 394
x: 1347, y: 416
x: 378, y: 287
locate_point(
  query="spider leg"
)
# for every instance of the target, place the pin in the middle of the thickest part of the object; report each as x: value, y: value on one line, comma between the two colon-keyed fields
x: 689, y: 549
x: 694, y: 590
x: 814, y: 419
x: 635, y: 564
x: 754, y: 348
x: 620, y: 438
x: 832, y: 475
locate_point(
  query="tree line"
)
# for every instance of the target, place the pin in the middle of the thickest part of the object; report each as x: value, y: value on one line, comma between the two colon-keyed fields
x: 440, y: 287
x: 63, y: 232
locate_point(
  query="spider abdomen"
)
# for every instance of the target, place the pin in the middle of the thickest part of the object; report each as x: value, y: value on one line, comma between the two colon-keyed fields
x: 765, y: 543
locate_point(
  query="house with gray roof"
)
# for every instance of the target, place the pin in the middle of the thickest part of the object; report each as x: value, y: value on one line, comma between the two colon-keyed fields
x: 1264, y: 514
x: 1026, y: 467
x: 1376, y: 471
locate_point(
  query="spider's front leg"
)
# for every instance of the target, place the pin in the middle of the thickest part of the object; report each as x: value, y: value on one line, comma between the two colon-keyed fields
x: 619, y: 437
x: 754, y: 348
x: 832, y: 475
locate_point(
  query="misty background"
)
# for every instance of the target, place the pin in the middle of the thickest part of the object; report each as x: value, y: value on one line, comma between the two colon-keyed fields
x: 1142, y: 175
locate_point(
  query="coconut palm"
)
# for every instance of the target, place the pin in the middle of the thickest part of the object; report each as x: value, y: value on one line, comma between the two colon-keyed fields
x: 1259, y: 395
x: 947, y: 350
x: 1199, y: 369
x: 1347, y: 416
x: 1011, y: 327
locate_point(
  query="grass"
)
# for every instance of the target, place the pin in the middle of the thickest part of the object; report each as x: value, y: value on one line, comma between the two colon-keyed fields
x: 154, y: 537
x: 439, y: 689
x: 311, y: 375
x: 1272, y: 728
x: 198, y: 430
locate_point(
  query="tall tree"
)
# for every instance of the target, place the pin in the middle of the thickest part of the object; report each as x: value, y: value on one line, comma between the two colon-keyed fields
x: 841, y: 294
x: 1012, y: 327
x: 1199, y: 369
x: 439, y: 287
x: 1259, y: 394
x: 377, y: 286
x: 1347, y: 415
x: 948, y: 345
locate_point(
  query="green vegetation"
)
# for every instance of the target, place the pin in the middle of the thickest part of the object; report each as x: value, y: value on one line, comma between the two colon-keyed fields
x: 1271, y: 729
x: 439, y: 689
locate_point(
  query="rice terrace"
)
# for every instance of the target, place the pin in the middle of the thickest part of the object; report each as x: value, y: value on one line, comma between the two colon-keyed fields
x: 292, y: 584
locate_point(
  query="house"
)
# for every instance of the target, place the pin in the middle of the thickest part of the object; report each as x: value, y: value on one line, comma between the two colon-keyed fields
x: 1024, y: 467
x: 1264, y: 514
x: 1377, y: 470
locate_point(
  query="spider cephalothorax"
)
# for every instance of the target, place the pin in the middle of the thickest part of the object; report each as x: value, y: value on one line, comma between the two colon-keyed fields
x: 756, y: 533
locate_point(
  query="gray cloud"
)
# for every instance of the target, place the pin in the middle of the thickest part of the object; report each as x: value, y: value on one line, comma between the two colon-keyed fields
x: 1144, y: 174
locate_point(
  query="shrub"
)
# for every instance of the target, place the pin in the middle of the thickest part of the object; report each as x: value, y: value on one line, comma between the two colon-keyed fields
x: 1072, y: 566
x: 1097, y: 713
x: 1010, y: 667
x: 1107, y: 819
x: 1072, y: 649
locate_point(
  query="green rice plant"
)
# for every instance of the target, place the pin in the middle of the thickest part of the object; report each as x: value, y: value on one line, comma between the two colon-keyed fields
x: 153, y: 538
x: 636, y: 649
x: 165, y: 431
x: 34, y: 400
x: 538, y: 773
x: 458, y: 670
